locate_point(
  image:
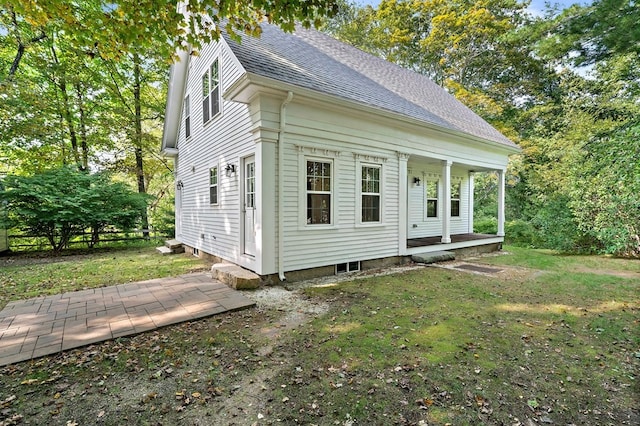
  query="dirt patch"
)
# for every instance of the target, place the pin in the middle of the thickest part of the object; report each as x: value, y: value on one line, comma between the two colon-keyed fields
x: 504, y: 272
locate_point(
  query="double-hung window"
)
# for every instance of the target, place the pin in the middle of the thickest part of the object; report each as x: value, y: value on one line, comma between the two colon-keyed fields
x: 187, y: 117
x: 213, y: 185
x: 210, y: 92
x: 431, y: 188
x: 318, y: 179
x: 455, y: 199
x: 370, y: 193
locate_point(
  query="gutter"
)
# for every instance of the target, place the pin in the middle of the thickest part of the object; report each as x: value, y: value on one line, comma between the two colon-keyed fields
x: 283, y: 109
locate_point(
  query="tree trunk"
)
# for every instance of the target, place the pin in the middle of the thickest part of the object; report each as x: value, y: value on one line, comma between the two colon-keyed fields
x: 137, y: 138
x: 67, y: 113
x: 84, y: 147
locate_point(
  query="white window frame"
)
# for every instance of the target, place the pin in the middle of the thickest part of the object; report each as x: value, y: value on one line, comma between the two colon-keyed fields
x: 215, y: 185
x: 457, y: 183
x: 187, y: 117
x: 427, y: 198
x: 305, y: 192
x: 359, y: 194
x: 211, y: 91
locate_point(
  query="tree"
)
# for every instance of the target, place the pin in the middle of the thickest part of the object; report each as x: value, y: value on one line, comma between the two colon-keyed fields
x: 62, y: 203
x: 112, y: 29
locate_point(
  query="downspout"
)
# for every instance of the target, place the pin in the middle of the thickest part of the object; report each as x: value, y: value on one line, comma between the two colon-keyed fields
x: 283, y: 109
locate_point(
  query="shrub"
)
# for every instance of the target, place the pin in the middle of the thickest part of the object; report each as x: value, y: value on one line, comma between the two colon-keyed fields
x: 62, y: 203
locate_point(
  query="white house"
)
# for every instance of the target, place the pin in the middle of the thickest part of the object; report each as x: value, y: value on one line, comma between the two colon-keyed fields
x: 297, y: 151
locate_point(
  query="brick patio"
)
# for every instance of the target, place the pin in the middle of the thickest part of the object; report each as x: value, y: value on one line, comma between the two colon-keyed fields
x: 46, y: 325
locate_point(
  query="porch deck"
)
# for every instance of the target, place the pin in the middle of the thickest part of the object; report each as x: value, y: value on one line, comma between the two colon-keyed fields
x: 457, y: 238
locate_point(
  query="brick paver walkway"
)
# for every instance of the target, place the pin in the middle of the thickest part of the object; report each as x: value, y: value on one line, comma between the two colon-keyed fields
x: 46, y: 325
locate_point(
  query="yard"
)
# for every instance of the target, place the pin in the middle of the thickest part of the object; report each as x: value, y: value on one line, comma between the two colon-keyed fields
x: 550, y: 339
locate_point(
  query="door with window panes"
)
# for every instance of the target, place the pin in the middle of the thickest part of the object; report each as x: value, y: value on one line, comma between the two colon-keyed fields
x: 249, y: 205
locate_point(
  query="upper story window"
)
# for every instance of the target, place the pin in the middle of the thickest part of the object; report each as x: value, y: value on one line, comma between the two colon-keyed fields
x: 211, y: 92
x: 455, y: 199
x: 319, y: 192
x: 431, y: 188
x: 370, y: 193
x: 213, y: 185
x: 187, y: 117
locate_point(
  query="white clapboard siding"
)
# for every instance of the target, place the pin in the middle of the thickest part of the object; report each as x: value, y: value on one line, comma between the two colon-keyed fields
x: 311, y: 134
x: 222, y: 140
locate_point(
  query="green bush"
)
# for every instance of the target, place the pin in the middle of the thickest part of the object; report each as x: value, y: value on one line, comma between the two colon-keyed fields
x: 62, y: 203
x: 520, y: 233
x: 485, y: 225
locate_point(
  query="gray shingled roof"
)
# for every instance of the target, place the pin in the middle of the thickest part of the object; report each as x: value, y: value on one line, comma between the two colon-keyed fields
x: 316, y: 61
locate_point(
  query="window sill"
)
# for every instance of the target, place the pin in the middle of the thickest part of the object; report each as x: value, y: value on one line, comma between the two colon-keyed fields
x: 317, y: 227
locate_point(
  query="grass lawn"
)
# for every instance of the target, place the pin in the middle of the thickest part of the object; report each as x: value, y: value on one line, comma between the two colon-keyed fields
x: 26, y: 276
x: 550, y: 340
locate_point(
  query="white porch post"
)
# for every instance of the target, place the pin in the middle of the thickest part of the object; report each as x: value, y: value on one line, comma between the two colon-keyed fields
x: 501, y: 184
x: 471, y: 183
x: 402, y: 202
x: 446, y: 206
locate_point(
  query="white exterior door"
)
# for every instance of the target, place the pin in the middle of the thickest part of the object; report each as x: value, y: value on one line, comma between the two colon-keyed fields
x: 249, y: 208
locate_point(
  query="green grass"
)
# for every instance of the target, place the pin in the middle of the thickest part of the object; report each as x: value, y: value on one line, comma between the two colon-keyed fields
x: 557, y: 342
x: 37, y: 276
x: 451, y: 347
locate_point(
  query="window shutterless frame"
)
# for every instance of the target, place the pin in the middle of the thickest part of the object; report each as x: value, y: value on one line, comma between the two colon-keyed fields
x: 370, y: 193
x: 211, y: 92
x: 455, y: 199
x: 213, y: 185
x: 319, y: 191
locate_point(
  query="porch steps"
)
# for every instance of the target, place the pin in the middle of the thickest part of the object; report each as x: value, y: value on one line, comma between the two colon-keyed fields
x: 171, y: 247
x: 235, y: 276
x: 433, y: 257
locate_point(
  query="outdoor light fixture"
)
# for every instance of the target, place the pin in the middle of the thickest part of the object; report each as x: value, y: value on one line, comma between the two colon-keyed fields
x: 230, y: 169
x: 416, y: 181
x: 179, y: 185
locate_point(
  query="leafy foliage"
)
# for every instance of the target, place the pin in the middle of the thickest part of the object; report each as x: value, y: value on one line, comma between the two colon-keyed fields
x: 61, y: 203
x: 111, y: 30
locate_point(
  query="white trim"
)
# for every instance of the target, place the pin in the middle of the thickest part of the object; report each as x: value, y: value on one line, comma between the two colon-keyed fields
x: 302, y: 196
x: 446, y: 202
x: 235, y: 92
x: 501, y: 214
x: 358, y: 191
x: 453, y: 246
x: 471, y: 201
x: 216, y: 165
x: 212, y: 117
x: 428, y: 178
x: 403, y: 201
x: 187, y: 115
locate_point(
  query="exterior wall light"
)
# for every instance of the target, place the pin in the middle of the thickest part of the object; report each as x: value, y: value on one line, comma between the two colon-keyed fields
x: 229, y: 169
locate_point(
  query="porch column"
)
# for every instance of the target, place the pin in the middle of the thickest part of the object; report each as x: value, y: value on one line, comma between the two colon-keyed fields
x: 471, y: 183
x: 501, y: 177
x: 403, y: 200
x: 446, y: 205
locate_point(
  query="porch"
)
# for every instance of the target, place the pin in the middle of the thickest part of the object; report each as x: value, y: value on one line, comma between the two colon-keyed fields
x: 458, y: 241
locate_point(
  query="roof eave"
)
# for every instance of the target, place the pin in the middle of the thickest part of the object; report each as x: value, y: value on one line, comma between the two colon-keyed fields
x: 244, y: 89
x: 173, y: 111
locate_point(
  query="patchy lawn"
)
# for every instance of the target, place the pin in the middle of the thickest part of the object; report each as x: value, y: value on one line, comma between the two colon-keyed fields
x: 554, y: 342
x: 30, y: 275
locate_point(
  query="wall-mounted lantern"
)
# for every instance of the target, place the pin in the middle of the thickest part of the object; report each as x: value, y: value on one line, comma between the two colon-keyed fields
x: 230, y: 169
x: 416, y: 181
